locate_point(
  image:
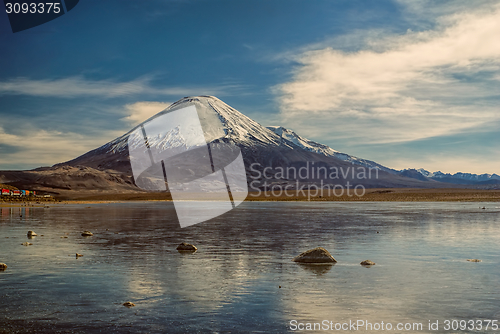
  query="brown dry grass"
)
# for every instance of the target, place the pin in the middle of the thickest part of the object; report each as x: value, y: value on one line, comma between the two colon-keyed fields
x: 383, y: 195
x: 388, y: 195
x: 6, y: 186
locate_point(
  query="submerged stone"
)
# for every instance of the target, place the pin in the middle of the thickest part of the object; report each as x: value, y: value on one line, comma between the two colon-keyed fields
x: 3, y: 266
x: 185, y: 247
x: 129, y: 304
x: 474, y: 260
x: 87, y: 234
x: 367, y: 263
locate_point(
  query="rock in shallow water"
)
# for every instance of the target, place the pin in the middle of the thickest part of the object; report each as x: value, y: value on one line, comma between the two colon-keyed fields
x: 87, y: 234
x: 31, y: 234
x: 474, y: 260
x: 129, y: 304
x: 185, y: 247
x: 3, y: 266
x: 26, y: 244
x: 318, y: 255
x: 367, y: 263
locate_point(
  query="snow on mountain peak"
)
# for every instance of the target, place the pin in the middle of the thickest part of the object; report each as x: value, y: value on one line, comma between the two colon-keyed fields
x: 425, y: 173
x: 219, y: 122
x: 302, y: 142
x: 315, y: 147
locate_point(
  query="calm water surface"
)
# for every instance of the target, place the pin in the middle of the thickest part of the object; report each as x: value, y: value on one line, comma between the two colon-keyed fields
x: 231, y: 284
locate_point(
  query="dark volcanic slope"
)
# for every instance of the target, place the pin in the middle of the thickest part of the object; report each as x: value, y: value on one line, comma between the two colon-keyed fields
x: 111, y: 156
x: 69, y: 178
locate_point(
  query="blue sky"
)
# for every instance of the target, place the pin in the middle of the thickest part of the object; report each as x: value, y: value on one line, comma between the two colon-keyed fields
x: 408, y: 84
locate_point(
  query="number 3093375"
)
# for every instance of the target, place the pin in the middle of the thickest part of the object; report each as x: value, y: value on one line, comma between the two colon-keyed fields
x: 33, y: 7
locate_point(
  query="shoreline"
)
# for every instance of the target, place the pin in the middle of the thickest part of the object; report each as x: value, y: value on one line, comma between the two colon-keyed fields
x: 393, y: 195
x: 371, y: 195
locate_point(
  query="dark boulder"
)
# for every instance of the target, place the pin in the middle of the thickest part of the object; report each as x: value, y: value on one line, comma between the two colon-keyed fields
x: 185, y: 247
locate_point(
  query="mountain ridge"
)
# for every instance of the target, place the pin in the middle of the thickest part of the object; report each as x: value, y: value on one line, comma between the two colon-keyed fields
x: 268, y: 148
x: 460, y: 177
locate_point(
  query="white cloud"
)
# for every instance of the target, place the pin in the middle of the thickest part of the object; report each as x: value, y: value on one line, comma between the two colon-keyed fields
x: 400, y: 88
x: 78, y: 86
x: 138, y: 112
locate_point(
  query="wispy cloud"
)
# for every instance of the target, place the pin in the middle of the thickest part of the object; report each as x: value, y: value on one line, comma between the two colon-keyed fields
x: 351, y: 41
x: 78, y: 86
x: 401, y: 88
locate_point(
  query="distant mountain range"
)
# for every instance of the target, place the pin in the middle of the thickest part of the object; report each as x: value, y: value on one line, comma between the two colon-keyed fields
x: 419, y: 174
x: 108, y: 167
x: 461, y: 178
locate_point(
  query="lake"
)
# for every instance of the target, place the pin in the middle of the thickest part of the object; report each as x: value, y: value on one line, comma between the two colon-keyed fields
x: 232, y: 283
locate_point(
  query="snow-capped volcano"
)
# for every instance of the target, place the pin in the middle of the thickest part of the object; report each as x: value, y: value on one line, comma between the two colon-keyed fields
x: 268, y: 148
x: 220, y: 122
